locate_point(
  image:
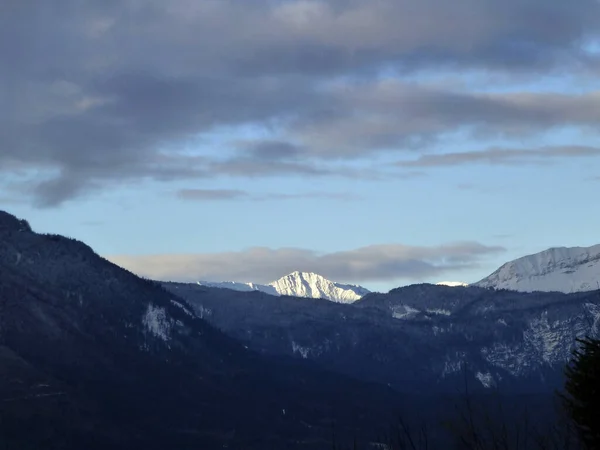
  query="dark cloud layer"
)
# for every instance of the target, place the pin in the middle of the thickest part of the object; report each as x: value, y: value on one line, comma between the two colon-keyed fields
x: 96, y: 93
x: 262, y: 265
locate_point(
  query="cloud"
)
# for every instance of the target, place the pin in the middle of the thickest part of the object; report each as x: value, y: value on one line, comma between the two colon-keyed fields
x: 269, y: 150
x: 248, y: 167
x: 211, y: 194
x: 396, y: 115
x: 233, y: 194
x: 259, y: 264
x: 502, y: 156
x: 104, y: 93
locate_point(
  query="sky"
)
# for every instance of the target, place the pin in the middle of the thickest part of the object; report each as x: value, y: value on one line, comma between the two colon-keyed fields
x: 374, y: 142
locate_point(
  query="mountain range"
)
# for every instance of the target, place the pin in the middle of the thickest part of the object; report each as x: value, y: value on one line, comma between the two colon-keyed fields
x: 92, y: 356
x: 417, y: 338
x: 558, y: 269
x: 516, y: 329
x: 299, y: 284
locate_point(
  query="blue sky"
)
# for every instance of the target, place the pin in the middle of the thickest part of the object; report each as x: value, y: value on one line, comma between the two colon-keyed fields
x: 242, y: 141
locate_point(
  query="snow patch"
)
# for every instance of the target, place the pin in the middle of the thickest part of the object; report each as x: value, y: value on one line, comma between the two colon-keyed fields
x: 183, y: 308
x: 511, y: 358
x: 404, y: 312
x: 594, y: 311
x: 486, y: 379
x: 454, y: 364
x: 443, y: 312
x: 203, y: 312
x: 304, y: 351
x: 157, y: 322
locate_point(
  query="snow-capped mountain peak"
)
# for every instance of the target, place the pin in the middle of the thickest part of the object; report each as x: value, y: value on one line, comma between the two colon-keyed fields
x: 309, y: 284
x: 561, y: 269
x: 299, y: 284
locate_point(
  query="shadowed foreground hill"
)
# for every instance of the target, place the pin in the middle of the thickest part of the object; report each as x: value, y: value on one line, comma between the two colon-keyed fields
x: 92, y: 356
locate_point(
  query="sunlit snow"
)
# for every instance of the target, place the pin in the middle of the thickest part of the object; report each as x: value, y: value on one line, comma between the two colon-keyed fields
x: 299, y: 284
x: 560, y: 269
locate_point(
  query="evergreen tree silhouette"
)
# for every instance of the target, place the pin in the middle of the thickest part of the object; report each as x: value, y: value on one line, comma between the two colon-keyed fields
x: 582, y: 398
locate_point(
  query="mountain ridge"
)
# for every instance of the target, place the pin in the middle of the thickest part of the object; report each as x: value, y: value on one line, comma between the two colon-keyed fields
x: 92, y: 356
x: 299, y: 284
x: 515, y: 341
x: 557, y: 269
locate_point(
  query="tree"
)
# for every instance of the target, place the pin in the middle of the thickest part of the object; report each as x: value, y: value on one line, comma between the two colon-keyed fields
x: 582, y: 398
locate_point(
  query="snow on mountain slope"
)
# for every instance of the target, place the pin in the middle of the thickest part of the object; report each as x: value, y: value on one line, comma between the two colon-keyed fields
x: 452, y: 283
x: 307, y: 284
x: 299, y: 284
x: 561, y: 269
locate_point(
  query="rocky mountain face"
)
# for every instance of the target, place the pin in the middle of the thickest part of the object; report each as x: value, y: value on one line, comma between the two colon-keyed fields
x: 312, y: 285
x: 561, y: 269
x: 93, y: 357
x: 299, y: 284
x: 418, y: 338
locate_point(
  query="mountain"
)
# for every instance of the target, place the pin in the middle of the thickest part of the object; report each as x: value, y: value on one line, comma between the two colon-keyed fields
x: 299, y: 284
x: 417, y: 338
x: 92, y: 356
x: 560, y: 269
x: 452, y: 283
x: 307, y: 284
x: 239, y: 286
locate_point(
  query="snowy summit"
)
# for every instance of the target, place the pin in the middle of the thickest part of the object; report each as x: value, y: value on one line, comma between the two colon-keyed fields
x: 452, y: 283
x: 560, y: 269
x: 299, y: 284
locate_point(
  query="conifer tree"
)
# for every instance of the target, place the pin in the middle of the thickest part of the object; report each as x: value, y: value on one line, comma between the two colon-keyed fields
x: 582, y: 397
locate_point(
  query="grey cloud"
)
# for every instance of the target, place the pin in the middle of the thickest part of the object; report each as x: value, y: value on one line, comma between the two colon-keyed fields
x: 269, y: 150
x: 372, y: 263
x: 396, y: 115
x: 100, y: 93
x: 341, y: 196
x: 211, y: 194
x: 502, y: 156
x: 262, y: 37
x: 248, y: 167
x: 226, y: 194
